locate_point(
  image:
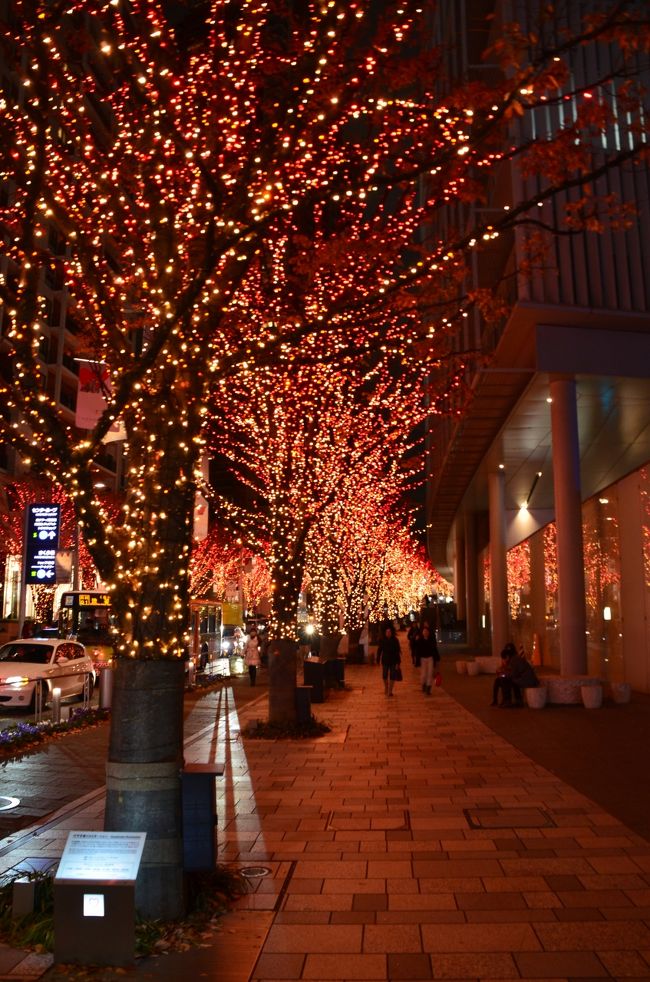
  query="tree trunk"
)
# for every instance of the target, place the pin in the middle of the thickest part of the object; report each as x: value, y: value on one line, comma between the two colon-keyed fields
x: 355, y: 651
x: 282, y: 681
x: 143, y: 778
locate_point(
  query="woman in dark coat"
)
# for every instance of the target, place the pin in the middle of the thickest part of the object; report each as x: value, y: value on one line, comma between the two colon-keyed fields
x: 389, y: 654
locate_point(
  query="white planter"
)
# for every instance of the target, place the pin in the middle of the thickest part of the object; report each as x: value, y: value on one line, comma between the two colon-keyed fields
x: 621, y: 692
x: 461, y: 667
x: 592, y: 696
x: 536, y: 696
x: 473, y: 668
x: 488, y: 664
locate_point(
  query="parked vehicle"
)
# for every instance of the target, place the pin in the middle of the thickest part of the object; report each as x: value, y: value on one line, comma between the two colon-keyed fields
x: 48, y: 663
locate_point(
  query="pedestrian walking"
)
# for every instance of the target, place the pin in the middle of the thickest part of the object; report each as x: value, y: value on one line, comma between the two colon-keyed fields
x: 427, y: 656
x: 412, y: 635
x: 389, y: 655
x: 252, y: 658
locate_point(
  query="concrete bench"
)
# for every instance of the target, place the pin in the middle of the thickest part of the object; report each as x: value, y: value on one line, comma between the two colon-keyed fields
x: 488, y: 664
x: 564, y: 690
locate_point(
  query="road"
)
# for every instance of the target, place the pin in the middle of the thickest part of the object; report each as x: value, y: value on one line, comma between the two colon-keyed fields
x: 41, y: 781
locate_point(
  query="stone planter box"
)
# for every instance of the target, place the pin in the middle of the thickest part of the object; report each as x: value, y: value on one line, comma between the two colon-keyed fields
x: 565, y: 690
x: 489, y: 664
x: 592, y: 696
x: 473, y: 668
x: 621, y: 692
x: 536, y: 696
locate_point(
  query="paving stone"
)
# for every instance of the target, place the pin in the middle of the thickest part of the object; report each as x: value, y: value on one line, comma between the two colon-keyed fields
x: 352, y: 967
x: 319, y: 938
x: 409, y: 966
x: 370, y: 901
x: 491, y: 936
x: 624, y: 964
x: 389, y: 938
x: 490, y: 901
x: 560, y: 964
x: 279, y: 966
x: 474, y: 966
x: 594, y: 936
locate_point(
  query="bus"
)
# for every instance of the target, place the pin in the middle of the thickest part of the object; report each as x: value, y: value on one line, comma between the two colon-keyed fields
x: 205, y: 632
x: 87, y: 616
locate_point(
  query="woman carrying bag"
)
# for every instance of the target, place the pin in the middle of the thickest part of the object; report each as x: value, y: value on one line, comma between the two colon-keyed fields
x: 252, y: 658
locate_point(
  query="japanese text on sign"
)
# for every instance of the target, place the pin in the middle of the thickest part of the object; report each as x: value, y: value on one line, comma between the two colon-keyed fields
x: 101, y: 856
x: 41, y: 543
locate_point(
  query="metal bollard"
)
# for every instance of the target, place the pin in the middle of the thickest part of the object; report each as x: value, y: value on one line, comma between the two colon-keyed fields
x: 105, y: 688
x: 56, y: 705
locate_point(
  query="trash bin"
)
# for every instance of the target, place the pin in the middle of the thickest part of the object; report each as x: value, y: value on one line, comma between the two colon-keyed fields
x: 199, y: 791
x: 313, y: 674
x: 335, y: 673
x: 303, y: 703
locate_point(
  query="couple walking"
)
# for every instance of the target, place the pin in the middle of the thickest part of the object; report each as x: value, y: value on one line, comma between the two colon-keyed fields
x: 389, y: 655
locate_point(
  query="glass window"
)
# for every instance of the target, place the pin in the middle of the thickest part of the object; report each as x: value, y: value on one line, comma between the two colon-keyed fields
x: 30, y: 654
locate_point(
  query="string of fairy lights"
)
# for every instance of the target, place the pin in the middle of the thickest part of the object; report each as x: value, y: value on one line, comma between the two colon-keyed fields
x: 252, y: 195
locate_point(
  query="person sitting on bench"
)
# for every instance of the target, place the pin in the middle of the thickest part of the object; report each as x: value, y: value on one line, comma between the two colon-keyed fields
x: 515, y: 675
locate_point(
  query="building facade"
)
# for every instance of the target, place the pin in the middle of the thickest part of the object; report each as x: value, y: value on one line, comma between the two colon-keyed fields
x: 537, y: 494
x: 60, y: 364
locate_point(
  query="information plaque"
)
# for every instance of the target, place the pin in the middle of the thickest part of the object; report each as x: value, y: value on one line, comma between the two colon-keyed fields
x: 94, y: 898
x: 101, y: 856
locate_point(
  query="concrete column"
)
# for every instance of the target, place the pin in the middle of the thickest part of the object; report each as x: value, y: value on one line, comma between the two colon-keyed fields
x: 459, y: 570
x: 538, y: 591
x: 471, y: 582
x: 499, y: 613
x: 568, y: 519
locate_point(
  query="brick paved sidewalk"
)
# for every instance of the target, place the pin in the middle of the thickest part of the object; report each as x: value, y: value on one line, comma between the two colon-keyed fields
x: 412, y: 842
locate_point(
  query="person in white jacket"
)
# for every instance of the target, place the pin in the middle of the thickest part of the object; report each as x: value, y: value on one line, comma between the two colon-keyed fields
x: 252, y: 658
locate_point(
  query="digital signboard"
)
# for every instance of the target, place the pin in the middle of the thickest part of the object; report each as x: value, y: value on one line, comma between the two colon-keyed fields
x: 41, y: 543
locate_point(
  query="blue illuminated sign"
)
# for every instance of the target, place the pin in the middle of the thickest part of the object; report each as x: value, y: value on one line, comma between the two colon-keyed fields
x: 41, y: 543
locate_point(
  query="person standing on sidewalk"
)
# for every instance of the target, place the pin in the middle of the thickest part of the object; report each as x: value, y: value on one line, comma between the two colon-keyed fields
x: 252, y: 655
x: 426, y: 653
x: 389, y: 654
x: 412, y: 635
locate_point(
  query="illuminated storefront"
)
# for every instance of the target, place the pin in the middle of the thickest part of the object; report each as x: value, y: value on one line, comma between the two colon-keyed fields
x: 616, y: 542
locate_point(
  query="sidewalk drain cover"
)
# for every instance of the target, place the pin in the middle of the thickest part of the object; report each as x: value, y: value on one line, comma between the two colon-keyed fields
x: 7, y: 803
x: 508, y: 818
x: 343, y: 820
x: 253, y: 871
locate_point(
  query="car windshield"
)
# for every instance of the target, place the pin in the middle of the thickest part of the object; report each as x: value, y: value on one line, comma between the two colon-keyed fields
x: 23, y: 651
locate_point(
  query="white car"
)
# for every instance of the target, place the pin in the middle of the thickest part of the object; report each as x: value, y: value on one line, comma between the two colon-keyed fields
x: 49, y: 663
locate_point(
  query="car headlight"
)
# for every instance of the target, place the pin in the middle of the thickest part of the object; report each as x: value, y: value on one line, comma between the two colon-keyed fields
x: 225, y: 645
x: 15, y: 680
